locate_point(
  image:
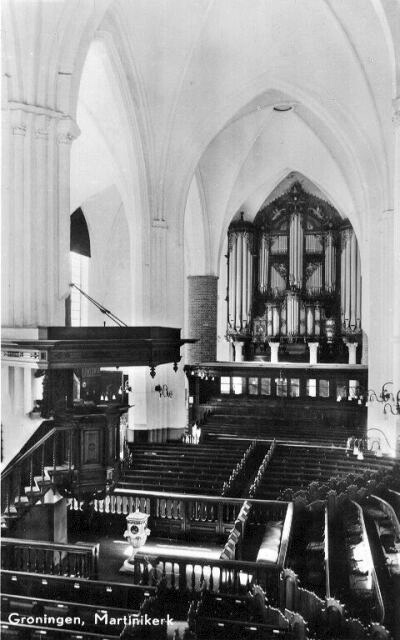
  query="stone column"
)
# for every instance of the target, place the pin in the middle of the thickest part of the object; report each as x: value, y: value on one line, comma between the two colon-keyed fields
x: 36, y: 215
x: 396, y: 265
x: 202, y: 292
x: 313, y: 346
x: 396, y: 247
x: 28, y: 402
x: 67, y: 131
x: 239, y: 348
x: 274, y: 352
x: 158, y: 300
x: 352, y: 349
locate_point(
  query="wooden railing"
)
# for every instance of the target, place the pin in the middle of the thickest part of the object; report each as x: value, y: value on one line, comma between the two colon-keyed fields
x: 324, y: 616
x: 376, y: 591
x: 31, y: 474
x: 187, y: 513
x: 218, y: 576
x: 390, y: 512
x: 289, y: 380
x: 395, y: 499
x: 327, y: 555
x: 286, y: 535
x: 80, y: 560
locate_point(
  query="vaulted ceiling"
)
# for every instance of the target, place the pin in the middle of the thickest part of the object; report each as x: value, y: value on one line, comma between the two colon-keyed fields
x: 187, y: 101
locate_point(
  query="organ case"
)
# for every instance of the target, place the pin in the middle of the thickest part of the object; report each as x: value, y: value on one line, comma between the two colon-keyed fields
x: 294, y: 276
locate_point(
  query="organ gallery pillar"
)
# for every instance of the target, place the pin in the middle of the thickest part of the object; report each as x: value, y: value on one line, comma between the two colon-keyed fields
x: 240, y: 279
x: 203, y: 297
x: 330, y: 263
x: 350, y: 287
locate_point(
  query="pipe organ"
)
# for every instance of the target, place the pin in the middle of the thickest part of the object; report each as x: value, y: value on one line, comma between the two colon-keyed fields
x: 294, y: 276
x: 240, y: 277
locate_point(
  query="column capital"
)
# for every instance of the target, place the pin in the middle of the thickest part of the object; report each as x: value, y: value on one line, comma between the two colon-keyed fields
x: 159, y: 224
x: 352, y: 349
x: 18, y: 122
x: 274, y: 346
x: 41, y: 126
x: 67, y: 130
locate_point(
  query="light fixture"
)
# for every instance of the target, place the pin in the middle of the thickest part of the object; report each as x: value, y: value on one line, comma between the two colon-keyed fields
x: 283, y: 108
x: 126, y: 388
x: 163, y: 391
x: 395, y: 406
x: 384, y: 395
x: 387, y: 398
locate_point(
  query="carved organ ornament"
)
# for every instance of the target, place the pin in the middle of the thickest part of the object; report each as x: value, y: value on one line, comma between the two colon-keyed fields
x: 294, y: 274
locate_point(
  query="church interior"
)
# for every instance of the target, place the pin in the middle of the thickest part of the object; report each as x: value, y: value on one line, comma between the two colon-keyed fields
x: 200, y: 319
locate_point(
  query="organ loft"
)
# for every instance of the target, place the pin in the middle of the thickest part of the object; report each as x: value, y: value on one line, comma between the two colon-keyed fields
x: 294, y: 279
x: 200, y: 387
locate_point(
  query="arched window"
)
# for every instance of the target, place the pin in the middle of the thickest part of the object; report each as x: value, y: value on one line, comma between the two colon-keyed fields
x: 79, y: 256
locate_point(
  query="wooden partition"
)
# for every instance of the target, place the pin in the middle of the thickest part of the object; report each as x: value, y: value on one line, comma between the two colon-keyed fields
x: 78, y: 560
x: 218, y: 576
x: 342, y: 386
x: 176, y: 513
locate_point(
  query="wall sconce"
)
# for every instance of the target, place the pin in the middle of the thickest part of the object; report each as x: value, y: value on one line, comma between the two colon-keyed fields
x: 394, y: 408
x: 384, y: 395
x: 387, y: 398
x: 163, y: 391
x: 126, y: 388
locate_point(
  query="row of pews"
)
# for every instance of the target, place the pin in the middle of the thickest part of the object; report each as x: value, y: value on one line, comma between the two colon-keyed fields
x: 64, y: 607
x: 264, y: 419
x: 179, y: 467
x: 249, y: 616
x: 293, y: 468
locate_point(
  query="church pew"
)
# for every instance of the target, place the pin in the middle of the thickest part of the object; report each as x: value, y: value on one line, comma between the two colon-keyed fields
x: 238, y: 616
x: 91, y: 616
x: 35, y: 632
x: 96, y: 592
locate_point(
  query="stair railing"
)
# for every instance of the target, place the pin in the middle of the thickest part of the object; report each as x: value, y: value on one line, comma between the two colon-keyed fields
x: 31, y: 475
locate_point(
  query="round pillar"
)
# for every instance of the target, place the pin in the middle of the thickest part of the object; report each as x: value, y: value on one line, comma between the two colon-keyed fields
x: 202, y: 318
x: 274, y: 352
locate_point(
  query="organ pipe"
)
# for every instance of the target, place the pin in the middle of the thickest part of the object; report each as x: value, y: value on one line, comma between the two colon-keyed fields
x: 353, y: 279
x: 275, y: 320
x: 358, y: 295
x: 310, y: 320
x: 269, y: 321
x: 240, y: 282
x: 330, y: 263
x: 350, y: 294
x: 296, y: 251
x: 317, y: 320
x: 263, y: 263
x: 292, y: 315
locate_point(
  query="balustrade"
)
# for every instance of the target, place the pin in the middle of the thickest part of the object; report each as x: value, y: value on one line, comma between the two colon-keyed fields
x: 188, y: 513
x: 218, y: 576
x: 31, y: 474
x: 50, y: 558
